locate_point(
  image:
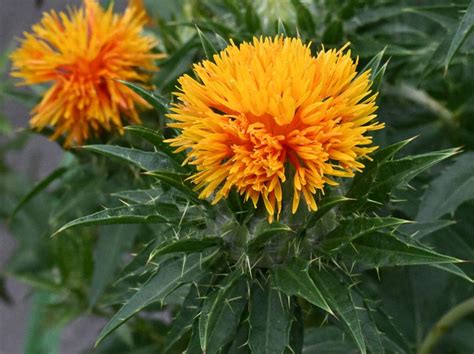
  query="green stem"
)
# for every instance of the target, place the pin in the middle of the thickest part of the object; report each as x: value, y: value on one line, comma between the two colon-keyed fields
x: 445, y: 323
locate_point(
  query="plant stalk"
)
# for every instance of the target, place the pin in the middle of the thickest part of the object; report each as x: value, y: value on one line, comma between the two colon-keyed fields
x: 445, y: 323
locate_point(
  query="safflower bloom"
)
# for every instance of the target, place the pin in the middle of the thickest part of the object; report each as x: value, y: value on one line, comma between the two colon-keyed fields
x: 267, y: 113
x: 81, y: 53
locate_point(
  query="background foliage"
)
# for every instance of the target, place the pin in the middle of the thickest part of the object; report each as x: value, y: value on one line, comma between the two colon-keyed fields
x: 372, y: 273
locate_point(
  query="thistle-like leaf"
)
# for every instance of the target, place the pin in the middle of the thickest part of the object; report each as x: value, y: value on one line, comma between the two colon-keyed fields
x: 146, y: 160
x: 378, y: 250
x: 351, y: 229
x: 128, y: 214
x: 186, y: 245
x: 293, y: 279
x: 339, y: 297
x: 220, y: 315
x: 270, y: 320
x: 171, y: 274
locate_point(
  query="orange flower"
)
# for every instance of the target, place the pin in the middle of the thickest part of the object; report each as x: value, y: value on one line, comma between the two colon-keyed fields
x: 82, y: 53
x: 267, y: 113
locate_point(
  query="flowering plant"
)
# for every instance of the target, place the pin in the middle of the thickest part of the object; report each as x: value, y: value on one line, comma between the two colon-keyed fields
x: 268, y: 200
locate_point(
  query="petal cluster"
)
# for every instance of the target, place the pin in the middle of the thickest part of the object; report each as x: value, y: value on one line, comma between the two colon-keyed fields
x: 267, y: 113
x: 79, y: 54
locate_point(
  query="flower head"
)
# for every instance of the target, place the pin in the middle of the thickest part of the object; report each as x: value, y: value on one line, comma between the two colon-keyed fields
x: 267, y: 113
x: 81, y: 53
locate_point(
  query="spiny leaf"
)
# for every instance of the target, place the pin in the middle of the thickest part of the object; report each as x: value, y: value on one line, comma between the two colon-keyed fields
x: 374, y: 64
x: 178, y: 181
x: 146, y: 160
x: 379, y: 250
x: 351, y: 229
x: 156, y: 138
x: 270, y: 320
x: 418, y: 230
x: 293, y: 279
x: 39, y: 187
x: 158, y: 102
x: 265, y: 231
x: 220, y: 315
x: 189, y: 311
x: 141, y: 196
x: 170, y: 276
x: 326, y: 339
x: 452, y: 188
x: 323, y: 207
x: 129, y: 214
x: 187, y: 245
x: 461, y: 34
x: 340, y: 299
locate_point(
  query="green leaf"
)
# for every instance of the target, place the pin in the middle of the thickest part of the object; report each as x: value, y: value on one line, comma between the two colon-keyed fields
x: 399, y: 172
x: 270, y: 320
x: 220, y: 315
x: 453, y: 269
x: 374, y: 64
x: 190, y: 309
x: 128, y: 214
x: 178, y: 181
x: 171, y: 275
x: 293, y: 279
x: 448, y: 191
x: 156, y: 101
x: 325, y: 339
x: 418, y: 230
x: 351, y: 229
x: 339, y: 297
x: 207, y: 46
x: 155, y: 137
x: 265, y: 232
x: 113, y: 241
x: 38, y: 188
x: 187, y: 245
x: 333, y: 33
x: 146, y: 160
x: 303, y: 17
x: 141, y: 196
x: 323, y: 207
x: 461, y: 34
x: 379, y: 250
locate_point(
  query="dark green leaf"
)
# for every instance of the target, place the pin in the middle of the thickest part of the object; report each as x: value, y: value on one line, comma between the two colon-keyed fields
x: 187, y: 245
x: 461, y: 34
x: 351, y: 229
x: 339, y: 297
x: 304, y: 17
x: 265, y: 231
x: 220, y: 315
x: 156, y: 138
x: 323, y: 207
x: 170, y: 276
x: 146, y: 160
x: 189, y: 311
x: 178, y: 181
x: 157, y: 102
x: 326, y: 340
x: 270, y: 320
x: 129, y: 214
x: 452, y: 188
x: 294, y: 279
x: 379, y: 250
